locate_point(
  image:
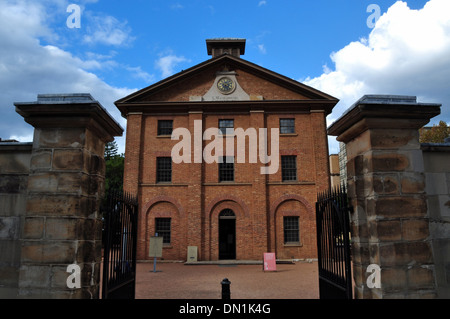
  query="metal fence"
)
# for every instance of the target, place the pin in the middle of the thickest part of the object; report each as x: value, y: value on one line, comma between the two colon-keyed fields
x: 120, y: 213
x: 333, y: 244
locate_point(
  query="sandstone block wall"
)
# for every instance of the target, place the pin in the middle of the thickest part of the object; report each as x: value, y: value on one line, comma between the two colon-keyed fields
x: 14, y: 169
x: 387, y: 187
x: 437, y: 179
x: 50, y: 193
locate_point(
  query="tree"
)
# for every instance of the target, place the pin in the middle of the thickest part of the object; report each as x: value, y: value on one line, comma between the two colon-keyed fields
x: 111, y: 150
x: 114, y: 167
x: 436, y: 134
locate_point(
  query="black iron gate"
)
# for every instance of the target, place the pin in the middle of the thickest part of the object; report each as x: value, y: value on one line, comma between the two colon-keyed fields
x: 333, y: 244
x: 120, y: 214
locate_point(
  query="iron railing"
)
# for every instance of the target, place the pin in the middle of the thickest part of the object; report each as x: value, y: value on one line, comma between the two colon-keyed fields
x: 120, y: 213
x: 333, y: 244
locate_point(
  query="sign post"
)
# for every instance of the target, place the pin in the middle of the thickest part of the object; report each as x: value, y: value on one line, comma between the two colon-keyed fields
x: 155, y: 249
x: 270, y: 263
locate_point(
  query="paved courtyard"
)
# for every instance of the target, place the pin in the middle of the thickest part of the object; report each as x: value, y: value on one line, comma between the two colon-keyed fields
x: 179, y: 281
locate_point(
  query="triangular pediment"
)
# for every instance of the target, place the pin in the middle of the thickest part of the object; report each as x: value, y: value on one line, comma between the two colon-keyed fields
x: 202, y: 83
x: 254, y: 80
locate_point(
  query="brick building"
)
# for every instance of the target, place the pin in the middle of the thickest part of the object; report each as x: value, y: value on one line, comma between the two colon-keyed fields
x: 228, y: 209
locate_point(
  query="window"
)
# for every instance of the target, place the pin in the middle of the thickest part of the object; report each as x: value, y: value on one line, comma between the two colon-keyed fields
x: 288, y: 168
x: 162, y: 228
x: 165, y: 127
x: 163, y: 169
x: 226, y: 169
x: 287, y: 126
x: 291, y: 229
x: 227, y: 214
x: 224, y: 124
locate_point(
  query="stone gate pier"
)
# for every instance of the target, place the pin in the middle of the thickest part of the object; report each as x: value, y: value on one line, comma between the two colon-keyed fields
x: 52, y: 197
x: 395, y: 218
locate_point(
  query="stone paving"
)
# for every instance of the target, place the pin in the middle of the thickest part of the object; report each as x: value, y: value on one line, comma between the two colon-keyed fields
x: 248, y: 281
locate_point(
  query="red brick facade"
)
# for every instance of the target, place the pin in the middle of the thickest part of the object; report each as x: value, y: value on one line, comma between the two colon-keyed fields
x: 194, y: 197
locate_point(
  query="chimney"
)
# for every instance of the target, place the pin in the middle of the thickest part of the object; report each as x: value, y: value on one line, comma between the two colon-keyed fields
x: 218, y: 46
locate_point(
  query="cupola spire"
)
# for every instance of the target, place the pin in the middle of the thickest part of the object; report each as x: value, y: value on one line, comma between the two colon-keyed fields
x: 219, y: 46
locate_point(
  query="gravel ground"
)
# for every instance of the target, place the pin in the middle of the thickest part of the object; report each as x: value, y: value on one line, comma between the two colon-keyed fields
x: 180, y: 281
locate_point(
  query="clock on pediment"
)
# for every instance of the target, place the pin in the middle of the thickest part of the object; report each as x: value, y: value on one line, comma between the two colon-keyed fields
x: 225, y: 85
x: 225, y: 88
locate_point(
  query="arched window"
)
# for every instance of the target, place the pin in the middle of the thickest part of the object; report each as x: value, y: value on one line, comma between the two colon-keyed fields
x: 227, y: 214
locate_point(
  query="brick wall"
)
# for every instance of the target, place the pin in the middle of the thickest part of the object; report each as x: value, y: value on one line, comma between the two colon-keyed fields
x: 195, y: 198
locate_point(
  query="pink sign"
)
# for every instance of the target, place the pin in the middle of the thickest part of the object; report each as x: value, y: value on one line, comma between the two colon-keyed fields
x: 270, y: 263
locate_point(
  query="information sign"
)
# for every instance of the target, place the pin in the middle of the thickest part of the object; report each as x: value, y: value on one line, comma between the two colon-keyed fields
x: 270, y: 263
x: 156, y: 244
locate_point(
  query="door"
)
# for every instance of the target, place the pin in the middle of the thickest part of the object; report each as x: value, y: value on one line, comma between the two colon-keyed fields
x: 227, y: 234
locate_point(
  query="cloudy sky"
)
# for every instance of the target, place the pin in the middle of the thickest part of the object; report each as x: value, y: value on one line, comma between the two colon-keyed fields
x: 346, y: 48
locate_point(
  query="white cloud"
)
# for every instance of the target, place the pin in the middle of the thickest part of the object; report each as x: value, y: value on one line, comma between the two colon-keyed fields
x: 212, y: 10
x: 28, y: 68
x: 262, y: 3
x: 23, y: 19
x: 177, y: 6
x: 138, y: 73
x: 166, y: 64
x: 107, y: 30
x: 262, y: 48
x: 22, y: 138
x: 407, y: 53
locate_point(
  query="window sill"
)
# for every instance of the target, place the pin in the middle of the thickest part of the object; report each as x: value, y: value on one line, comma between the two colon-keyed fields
x: 291, y: 183
x: 288, y: 134
x: 164, y: 136
x: 219, y: 183
x: 161, y: 184
x: 293, y: 245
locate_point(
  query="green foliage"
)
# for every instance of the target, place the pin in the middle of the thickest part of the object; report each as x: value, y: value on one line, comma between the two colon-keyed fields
x: 111, y: 150
x: 436, y: 134
x: 114, y: 167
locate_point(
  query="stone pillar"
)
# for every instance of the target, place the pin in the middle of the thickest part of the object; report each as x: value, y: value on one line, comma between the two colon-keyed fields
x: 132, y: 164
x: 320, y: 145
x: 386, y: 185
x: 132, y: 173
x: 196, y: 217
x: 62, y: 222
x: 260, y: 210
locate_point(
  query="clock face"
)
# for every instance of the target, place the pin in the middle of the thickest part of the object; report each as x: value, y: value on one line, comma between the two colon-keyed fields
x: 226, y: 85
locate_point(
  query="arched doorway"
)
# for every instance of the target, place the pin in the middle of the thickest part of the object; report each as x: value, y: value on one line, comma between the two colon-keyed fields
x: 227, y: 234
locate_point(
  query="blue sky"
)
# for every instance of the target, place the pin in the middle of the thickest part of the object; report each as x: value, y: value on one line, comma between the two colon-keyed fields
x: 294, y: 38
x: 123, y: 46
